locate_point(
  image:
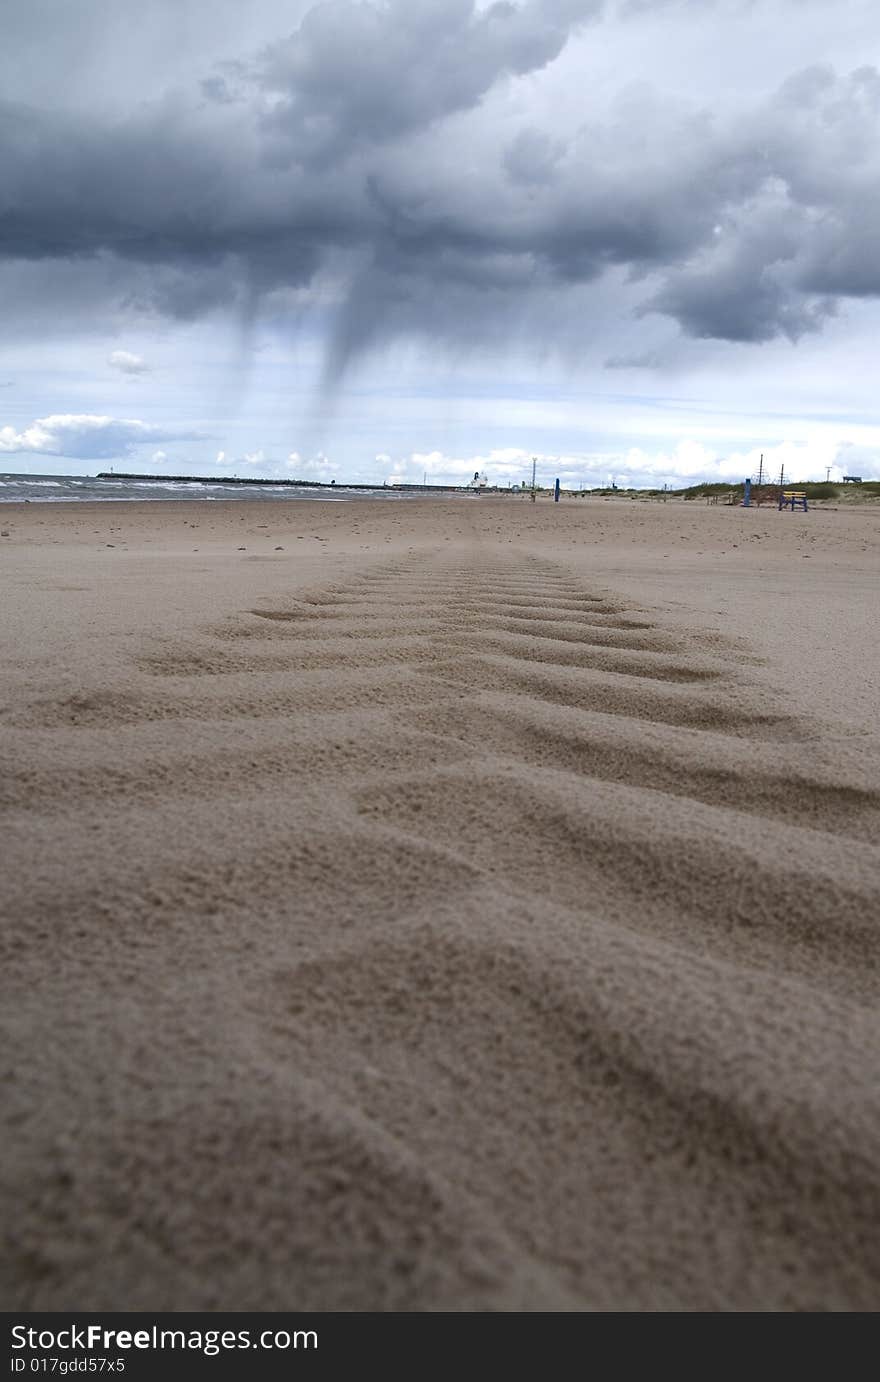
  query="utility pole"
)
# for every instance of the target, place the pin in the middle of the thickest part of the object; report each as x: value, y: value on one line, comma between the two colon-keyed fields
x: 534, y: 468
x: 827, y: 473
x: 760, y: 479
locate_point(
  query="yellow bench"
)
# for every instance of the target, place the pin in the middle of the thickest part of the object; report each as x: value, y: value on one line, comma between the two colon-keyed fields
x: 793, y: 499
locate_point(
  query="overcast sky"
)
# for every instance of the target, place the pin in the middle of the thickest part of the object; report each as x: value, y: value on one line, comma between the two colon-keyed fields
x: 639, y: 239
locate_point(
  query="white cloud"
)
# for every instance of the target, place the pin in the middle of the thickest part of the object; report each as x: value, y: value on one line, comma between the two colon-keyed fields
x: 688, y: 462
x: 126, y: 362
x: 84, y: 436
x: 502, y: 466
x: 317, y: 467
x: 254, y: 458
x: 158, y: 457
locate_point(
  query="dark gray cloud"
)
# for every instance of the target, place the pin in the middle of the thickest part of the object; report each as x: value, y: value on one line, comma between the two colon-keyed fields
x: 357, y: 72
x: 367, y: 149
x: 746, y: 284
x: 533, y: 157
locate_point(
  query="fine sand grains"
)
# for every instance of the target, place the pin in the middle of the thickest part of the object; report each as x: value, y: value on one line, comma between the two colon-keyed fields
x: 431, y: 924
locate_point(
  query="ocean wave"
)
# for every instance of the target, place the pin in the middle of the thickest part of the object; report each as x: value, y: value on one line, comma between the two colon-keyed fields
x: 83, y: 488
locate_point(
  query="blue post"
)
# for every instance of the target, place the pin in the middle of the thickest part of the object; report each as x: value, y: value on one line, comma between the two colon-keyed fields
x: 556, y: 492
x: 747, y: 497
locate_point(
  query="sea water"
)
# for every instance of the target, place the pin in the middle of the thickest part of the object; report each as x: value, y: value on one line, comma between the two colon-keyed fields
x: 73, y: 488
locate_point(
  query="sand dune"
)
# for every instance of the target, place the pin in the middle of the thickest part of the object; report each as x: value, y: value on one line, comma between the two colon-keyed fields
x: 477, y: 909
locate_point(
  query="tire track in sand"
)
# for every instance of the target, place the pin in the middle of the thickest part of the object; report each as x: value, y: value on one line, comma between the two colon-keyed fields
x: 535, y: 1003
x: 627, y: 810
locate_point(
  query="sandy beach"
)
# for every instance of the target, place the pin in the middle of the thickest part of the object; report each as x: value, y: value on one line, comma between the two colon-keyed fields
x: 440, y: 905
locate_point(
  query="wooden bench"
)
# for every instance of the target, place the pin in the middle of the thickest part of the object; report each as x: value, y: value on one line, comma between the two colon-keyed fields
x: 793, y: 499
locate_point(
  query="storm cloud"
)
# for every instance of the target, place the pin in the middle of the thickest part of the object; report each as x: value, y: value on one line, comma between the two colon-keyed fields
x: 375, y: 165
